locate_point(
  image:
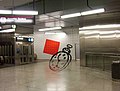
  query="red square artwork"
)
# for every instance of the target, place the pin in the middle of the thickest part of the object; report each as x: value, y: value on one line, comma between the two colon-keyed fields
x: 51, y: 47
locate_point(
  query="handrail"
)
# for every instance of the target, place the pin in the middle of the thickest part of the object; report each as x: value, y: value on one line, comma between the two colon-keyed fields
x: 103, y: 54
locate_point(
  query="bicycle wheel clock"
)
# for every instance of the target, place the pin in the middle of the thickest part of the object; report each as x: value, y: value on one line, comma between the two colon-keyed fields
x: 61, y: 59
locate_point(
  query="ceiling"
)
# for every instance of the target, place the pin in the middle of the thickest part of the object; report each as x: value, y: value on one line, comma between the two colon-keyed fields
x: 111, y: 16
x: 5, y: 4
x: 53, y: 19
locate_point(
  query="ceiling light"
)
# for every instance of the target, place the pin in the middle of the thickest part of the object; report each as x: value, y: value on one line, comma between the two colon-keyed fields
x: 7, y: 31
x: 70, y: 15
x: 100, y: 26
x: 53, y: 33
x: 19, y: 12
x: 5, y: 12
x: 52, y: 28
x: 83, y: 13
x: 20, y: 38
x: 13, y: 26
x: 23, y: 12
x: 47, y: 33
x: 92, y: 36
x: 58, y: 34
x: 117, y: 31
x: 107, y: 32
x: 91, y: 32
x: 93, y: 11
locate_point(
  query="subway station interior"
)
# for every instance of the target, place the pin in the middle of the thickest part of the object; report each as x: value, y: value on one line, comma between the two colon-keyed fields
x: 59, y: 45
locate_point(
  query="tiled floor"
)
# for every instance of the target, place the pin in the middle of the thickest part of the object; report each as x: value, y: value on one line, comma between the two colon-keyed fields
x: 38, y: 77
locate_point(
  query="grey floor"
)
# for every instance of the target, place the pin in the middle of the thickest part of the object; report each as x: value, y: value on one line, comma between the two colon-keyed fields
x: 38, y: 77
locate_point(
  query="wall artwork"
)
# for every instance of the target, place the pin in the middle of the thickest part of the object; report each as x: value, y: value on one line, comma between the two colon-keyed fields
x: 61, y: 59
x: 51, y: 47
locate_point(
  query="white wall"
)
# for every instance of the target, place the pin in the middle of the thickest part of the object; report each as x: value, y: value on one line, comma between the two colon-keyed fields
x: 72, y: 37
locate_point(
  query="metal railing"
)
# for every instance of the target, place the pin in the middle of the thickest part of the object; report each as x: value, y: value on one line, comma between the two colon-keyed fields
x: 101, y: 61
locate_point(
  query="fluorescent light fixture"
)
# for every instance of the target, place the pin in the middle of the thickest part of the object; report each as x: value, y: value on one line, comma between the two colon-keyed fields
x: 25, y: 36
x: 93, y: 11
x: 100, y: 26
x: 107, y: 32
x: 14, y: 26
x: 101, y: 10
x: 52, y: 28
x: 19, y: 12
x: 5, y: 12
x: 92, y: 36
x: 88, y: 31
x: 47, y: 33
x: 91, y: 32
x: 70, y: 15
x: 101, y: 34
x: 7, y: 31
x: 53, y: 33
x: 23, y: 12
x: 19, y: 38
x: 16, y: 34
x: 58, y: 34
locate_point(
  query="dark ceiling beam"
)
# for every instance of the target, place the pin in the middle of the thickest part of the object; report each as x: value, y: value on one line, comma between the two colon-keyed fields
x: 88, y: 4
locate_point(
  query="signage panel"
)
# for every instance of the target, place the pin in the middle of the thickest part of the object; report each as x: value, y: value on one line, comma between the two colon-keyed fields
x: 16, y: 19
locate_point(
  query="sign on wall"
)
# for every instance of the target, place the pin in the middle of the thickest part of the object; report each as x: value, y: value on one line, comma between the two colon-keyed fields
x: 16, y: 19
x: 51, y: 46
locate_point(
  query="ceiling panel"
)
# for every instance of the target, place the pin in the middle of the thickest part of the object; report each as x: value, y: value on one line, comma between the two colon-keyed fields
x: 5, y: 4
